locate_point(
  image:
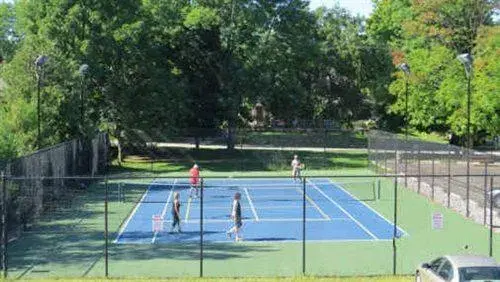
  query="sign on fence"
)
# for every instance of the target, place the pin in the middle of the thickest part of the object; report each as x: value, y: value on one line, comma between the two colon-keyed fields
x: 437, y: 220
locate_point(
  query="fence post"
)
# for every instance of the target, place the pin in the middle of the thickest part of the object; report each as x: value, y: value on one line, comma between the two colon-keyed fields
x: 419, y: 169
x: 369, y: 150
x: 433, y: 172
x: 106, y: 234
x: 485, y: 189
x: 491, y: 217
x: 4, y: 225
x: 467, y: 192
x: 304, y: 226
x: 201, y: 228
x: 449, y: 177
x: 385, y: 161
x: 405, y: 155
x: 395, y: 227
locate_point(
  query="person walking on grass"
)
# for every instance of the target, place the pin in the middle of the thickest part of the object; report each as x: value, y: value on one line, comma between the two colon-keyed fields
x: 194, y: 181
x: 176, y: 213
x: 236, y: 217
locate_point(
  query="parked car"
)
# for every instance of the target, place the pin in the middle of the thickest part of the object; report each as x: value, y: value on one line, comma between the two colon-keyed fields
x: 496, y: 197
x: 462, y: 268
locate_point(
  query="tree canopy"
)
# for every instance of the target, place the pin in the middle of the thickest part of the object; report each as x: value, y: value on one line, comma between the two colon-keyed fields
x: 167, y: 67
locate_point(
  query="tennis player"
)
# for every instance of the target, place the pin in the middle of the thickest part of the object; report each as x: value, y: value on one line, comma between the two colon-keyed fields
x: 194, y: 180
x: 296, y: 167
x: 236, y: 217
x: 176, y: 213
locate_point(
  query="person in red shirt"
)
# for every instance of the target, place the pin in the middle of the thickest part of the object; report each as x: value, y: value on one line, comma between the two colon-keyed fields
x: 194, y: 180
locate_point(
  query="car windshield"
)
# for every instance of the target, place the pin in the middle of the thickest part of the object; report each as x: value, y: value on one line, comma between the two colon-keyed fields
x: 484, y: 273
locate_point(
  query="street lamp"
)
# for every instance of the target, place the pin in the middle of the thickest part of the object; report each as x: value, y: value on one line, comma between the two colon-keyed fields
x: 466, y: 60
x: 83, y: 70
x: 406, y: 69
x: 39, y: 63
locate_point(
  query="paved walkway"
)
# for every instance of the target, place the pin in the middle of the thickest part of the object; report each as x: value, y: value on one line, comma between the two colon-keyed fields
x: 256, y: 147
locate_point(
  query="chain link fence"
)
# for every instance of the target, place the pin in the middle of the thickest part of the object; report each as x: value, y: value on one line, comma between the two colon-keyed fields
x: 45, y: 185
x: 324, y: 226
x: 450, y: 175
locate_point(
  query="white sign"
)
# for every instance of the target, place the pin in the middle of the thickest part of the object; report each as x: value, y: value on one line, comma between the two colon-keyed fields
x: 437, y: 220
x: 157, y: 223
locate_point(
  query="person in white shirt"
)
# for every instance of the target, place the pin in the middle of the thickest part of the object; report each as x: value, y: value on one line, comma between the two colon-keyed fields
x: 296, y: 167
x: 236, y: 217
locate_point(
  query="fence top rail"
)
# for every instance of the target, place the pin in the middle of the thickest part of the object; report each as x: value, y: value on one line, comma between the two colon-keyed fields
x: 158, y: 176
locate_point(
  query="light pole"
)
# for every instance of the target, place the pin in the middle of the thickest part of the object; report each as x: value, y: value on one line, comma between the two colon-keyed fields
x: 466, y: 60
x: 39, y: 63
x: 406, y: 69
x: 83, y: 70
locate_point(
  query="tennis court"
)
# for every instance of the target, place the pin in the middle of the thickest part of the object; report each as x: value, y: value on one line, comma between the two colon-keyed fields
x: 272, y: 209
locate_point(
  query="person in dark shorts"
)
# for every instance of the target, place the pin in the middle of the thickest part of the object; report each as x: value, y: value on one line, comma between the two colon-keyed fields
x: 236, y: 217
x: 176, y: 213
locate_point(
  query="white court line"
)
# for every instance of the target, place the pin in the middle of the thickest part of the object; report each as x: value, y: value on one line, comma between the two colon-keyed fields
x: 323, y: 214
x: 260, y: 207
x: 131, y: 215
x: 344, y: 211
x: 254, y: 242
x: 188, y: 209
x: 251, y: 204
x: 283, y: 207
x: 236, y: 185
x: 163, y: 212
x: 196, y: 221
x: 370, y: 208
x: 279, y: 197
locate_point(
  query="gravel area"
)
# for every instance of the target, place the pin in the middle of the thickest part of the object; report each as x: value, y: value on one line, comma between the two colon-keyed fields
x: 436, y: 188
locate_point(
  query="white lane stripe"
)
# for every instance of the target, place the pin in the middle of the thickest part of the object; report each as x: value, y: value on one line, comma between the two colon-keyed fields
x: 344, y: 211
x: 251, y: 204
x: 124, y: 226
x: 323, y: 214
x: 370, y: 208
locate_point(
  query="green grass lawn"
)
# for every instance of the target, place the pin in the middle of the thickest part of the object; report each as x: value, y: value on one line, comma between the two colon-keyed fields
x: 213, y: 162
x: 69, y: 241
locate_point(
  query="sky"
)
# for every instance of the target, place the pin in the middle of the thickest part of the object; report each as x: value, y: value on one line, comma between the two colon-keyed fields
x: 362, y: 7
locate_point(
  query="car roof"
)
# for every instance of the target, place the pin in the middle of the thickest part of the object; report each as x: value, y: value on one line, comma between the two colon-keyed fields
x: 471, y: 260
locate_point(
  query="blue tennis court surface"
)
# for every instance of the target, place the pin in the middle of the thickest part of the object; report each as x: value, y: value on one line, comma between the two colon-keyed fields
x: 272, y: 211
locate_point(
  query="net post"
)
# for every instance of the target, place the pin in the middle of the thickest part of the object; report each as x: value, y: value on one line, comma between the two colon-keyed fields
x: 106, y: 228
x: 395, y: 227
x: 304, y: 225
x: 201, y: 227
x: 4, y: 225
x: 485, y: 190
x: 491, y: 217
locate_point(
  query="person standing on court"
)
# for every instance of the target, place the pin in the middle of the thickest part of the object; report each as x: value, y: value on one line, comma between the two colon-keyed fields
x: 194, y: 180
x: 296, y: 166
x: 176, y: 213
x: 236, y: 217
